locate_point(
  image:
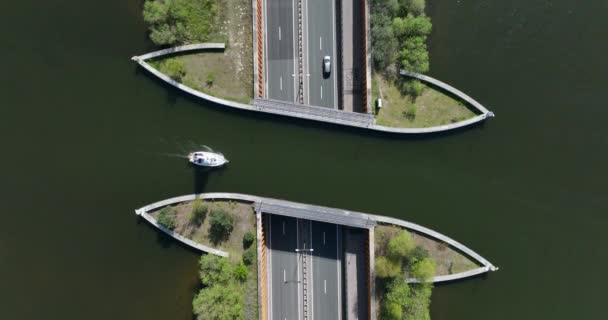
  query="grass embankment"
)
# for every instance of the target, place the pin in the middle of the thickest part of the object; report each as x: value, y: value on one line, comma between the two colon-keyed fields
x: 227, y: 74
x: 404, y: 110
x: 447, y: 260
x: 200, y: 229
x: 229, y: 285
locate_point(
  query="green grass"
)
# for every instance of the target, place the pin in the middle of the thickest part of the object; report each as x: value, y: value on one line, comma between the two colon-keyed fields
x: 232, y: 69
x: 431, y: 108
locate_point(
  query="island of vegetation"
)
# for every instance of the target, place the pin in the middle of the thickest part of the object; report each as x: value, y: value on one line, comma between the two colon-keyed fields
x: 405, y: 264
x: 399, y: 31
x: 229, y: 284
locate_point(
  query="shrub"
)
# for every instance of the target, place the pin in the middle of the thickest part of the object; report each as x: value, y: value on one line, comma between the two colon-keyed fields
x: 166, y: 218
x: 210, y: 79
x: 249, y: 256
x: 173, y: 68
x: 387, y: 268
x: 423, y: 269
x: 179, y: 21
x: 199, y: 212
x: 417, y: 254
x: 410, y: 112
x: 401, y: 245
x: 413, y: 88
x: 241, y: 272
x: 222, y: 224
x: 214, y: 270
x: 248, y: 239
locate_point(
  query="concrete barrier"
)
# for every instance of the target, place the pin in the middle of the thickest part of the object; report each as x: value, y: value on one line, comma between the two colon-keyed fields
x: 450, y: 89
x: 300, y: 210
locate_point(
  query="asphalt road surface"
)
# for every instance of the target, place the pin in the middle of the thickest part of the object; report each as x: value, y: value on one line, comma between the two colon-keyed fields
x: 281, y: 32
x: 283, y: 268
x: 326, y: 271
x: 286, y: 267
x: 320, y: 16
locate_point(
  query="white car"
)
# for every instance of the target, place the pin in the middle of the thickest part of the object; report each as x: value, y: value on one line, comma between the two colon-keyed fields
x: 326, y: 64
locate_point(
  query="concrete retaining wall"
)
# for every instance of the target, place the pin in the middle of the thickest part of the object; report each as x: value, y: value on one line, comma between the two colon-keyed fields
x: 141, y: 60
x: 373, y: 219
x: 450, y: 89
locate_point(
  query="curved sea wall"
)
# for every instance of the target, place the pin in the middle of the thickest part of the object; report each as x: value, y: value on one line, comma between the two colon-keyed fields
x: 340, y: 117
x: 318, y: 213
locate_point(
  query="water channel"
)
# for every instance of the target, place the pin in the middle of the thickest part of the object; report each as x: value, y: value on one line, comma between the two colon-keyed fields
x: 88, y: 136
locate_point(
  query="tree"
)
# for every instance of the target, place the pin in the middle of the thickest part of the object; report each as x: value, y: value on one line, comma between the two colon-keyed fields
x: 423, y: 269
x: 155, y: 12
x: 387, y: 268
x: 415, y: 7
x: 166, y: 218
x: 384, y: 43
x: 414, y: 55
x: 411, y: 26
x: 248, y: 239
x: 162, y: 34
x: 392, y: 311
x: 214, y: 270
x: 420, y: 300
x: 401, y: 245
x: 221, y: 226
x: 199, y: 211
x: 219, y: 302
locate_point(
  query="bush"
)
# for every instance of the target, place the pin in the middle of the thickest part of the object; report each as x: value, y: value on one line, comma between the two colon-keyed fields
x: 401, y: 245
x: 413, y: 88
x: 210, y: 79
x: 199, y: 211
x: 173, y: 68
x: 417, y: 254
x: 241, y: 272
x: 249, y: 256
x: 423, y: 269
x: 387, y: 268
x: 410, y: 112
x: 214, y: 270
x: 248, y: 239
x: 222, y: 224
x: 392, y: 311
x: 414, y: 54
x: 166, y: 218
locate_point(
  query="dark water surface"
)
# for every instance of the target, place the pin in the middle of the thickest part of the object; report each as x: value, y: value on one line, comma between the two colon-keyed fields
x: 85, y: 136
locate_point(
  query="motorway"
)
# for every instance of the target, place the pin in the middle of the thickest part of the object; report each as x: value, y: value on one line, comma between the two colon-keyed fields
x: 320, y: 18
x: 281, y: 64
x: 288, y: 279
x: 319, y: 40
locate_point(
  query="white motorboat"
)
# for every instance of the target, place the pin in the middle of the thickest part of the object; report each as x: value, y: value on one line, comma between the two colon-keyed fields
x: 207, y: 159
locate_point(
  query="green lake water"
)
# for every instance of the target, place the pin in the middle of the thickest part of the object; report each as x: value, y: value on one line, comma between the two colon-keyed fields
x: 88, y: 136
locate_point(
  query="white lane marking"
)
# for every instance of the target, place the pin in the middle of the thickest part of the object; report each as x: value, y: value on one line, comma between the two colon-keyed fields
x: 284, y: 276
x: 325, y: 286
x: 334, y: 67
x: 281, y: 83
x: 321, y: 92
x: 283, y: 227
x: 320, y: 43
x: 323, y: 237
x: 279, y: 33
